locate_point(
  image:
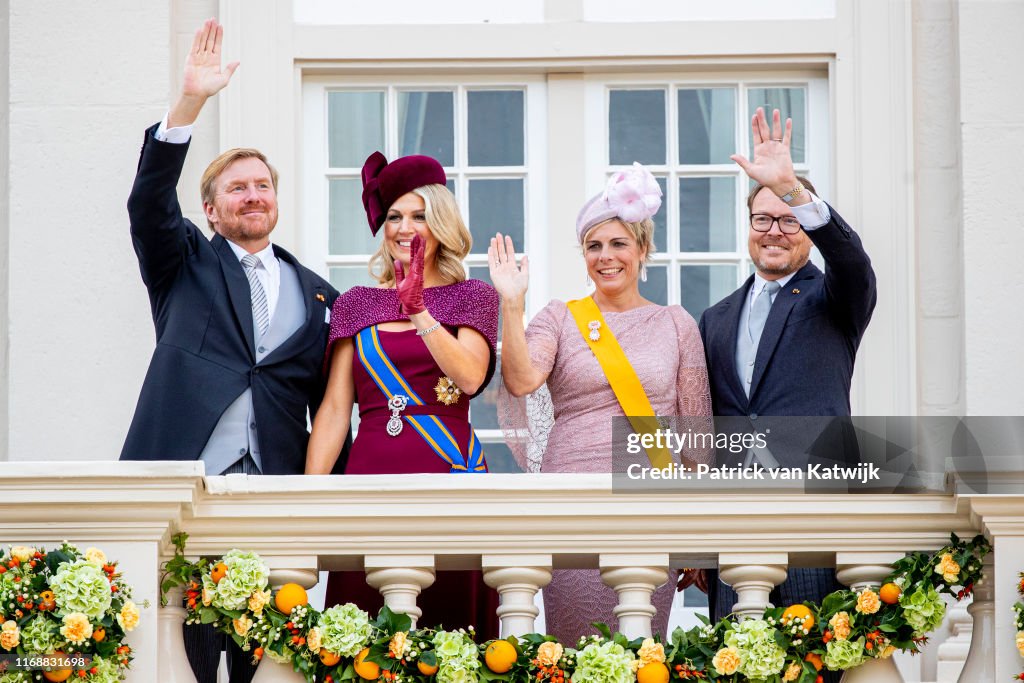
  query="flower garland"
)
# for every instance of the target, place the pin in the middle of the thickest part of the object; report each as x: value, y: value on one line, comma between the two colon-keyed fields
x: 1018, y: 618
x: 791, y: 644
x: 67, y: 604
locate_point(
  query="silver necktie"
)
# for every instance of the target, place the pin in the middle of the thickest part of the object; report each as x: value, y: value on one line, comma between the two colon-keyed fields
x: 260, y: 310
x: 759, y: 311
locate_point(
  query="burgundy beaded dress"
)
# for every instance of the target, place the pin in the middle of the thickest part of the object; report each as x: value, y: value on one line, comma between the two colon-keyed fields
x: 457, y: 598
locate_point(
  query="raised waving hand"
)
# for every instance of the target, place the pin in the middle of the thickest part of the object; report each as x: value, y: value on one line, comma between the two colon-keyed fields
x: 204, y: 74
x: 511, y: 280
x: 772, y: 165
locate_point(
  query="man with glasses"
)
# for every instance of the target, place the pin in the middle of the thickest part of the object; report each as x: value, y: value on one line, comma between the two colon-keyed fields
x: 784, y: 343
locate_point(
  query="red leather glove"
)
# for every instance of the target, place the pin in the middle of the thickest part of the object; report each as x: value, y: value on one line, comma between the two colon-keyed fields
x: 410, y: 287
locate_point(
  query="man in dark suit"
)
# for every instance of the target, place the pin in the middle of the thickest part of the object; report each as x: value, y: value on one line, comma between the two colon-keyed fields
x: 241, y: 325
x: 784, y: 343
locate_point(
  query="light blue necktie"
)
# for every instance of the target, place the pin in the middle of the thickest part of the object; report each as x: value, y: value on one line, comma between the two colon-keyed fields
x: 260, y: 310
x: 759, y: 311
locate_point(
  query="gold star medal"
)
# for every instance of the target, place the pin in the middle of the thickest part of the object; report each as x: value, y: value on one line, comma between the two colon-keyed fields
x: 447, y: 392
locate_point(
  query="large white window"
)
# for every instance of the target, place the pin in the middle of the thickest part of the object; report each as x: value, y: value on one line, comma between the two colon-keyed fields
x: 684, y: 131
x: 488, y: 135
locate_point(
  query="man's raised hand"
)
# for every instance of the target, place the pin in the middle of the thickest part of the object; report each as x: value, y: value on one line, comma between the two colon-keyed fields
x: 772, y: 165
x: 204, y: 76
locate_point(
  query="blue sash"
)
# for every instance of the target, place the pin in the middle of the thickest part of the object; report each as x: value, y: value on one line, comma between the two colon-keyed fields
x: 391, y: 382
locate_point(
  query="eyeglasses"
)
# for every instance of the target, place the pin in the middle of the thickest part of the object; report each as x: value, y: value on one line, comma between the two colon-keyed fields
x: 762, y: 222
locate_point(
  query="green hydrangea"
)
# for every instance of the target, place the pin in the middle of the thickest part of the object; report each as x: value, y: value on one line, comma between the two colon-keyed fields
x: 923, y: 609
x: 604, y: 663
x: 345, y: 629
x: 81, y: 586
x: 458, y: 659
x: 41, y: 635
x: 15, y: 677
x: 246, y: 574
x: 107, y: 671
x: 760, y: 656
x: 844, y: 654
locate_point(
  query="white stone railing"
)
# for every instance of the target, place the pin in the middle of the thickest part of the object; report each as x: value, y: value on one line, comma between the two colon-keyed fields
x: 516, y: 527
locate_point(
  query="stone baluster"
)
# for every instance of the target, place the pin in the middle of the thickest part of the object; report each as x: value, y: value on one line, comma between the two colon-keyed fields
x: 400, y: 579
x: 174, y: 666
x: 981, y: 664
x: 952, y: 653
x: 860, y: 571
x: 634, y: 578
x: 517, y: 578
x: 752, y: 576
x: 270, y: 671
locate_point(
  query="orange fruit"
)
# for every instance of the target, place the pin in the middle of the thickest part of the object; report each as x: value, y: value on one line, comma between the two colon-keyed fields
x: 426, y: 669
x: 815, y: 659
x: 500, y: 656
x: 889, y: 593
x: 368, y: 670
x: 98, y: 634
x: 655, y: 672
x: 46, y: 601
x: 290, y: 596
x: 798, y: 612
x: 57, y: 675
x: 220, y: 570
x: 328, y: 658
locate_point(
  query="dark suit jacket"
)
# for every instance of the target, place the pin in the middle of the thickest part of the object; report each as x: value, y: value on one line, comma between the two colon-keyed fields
x: 205, y: 355
x: 805, y: 358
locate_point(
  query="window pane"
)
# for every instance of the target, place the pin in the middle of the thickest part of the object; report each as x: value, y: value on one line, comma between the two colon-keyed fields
x: 661, y: 218
x: 791, y: 103
x: 499, y: 457
x: 426, y: 125
x: 636, y: 127
x: 495, y: 204
x: 349, y: 233
x: 701, y: 286
x: 707, y: 125
x: 707, y: 214
x: 656, y: 287
x: 355, y: 127
x: 345, y: 278
x: 496, y: 127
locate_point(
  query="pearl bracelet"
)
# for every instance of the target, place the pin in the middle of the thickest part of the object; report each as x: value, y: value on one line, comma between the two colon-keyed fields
x: 428, y: 330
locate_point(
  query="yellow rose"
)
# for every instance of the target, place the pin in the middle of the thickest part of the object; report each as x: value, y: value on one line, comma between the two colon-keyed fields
x: 257, y: 601
x: 1020, y: 643
x: 840, y: 623
x: 207, y: 597
x: 726, y: 661
x: 651, y: 651
x: 128, y: 617
x: 949, y: 569
x: 868, y: 602
x: 9, y: 635
x: 314, y: 640
x: 76, y: 628
x: 887, y: 652
x: 549, y: 653
x: 23, y: 553
x: 397, y: 645
x: 242, y: 625
x: 95, y: 556
x: 793, y: 672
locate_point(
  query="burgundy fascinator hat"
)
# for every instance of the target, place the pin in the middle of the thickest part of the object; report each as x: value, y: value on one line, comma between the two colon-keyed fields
x: 384, y: 183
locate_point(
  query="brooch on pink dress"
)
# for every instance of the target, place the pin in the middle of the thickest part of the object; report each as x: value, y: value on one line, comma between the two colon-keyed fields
x: 594, y: 326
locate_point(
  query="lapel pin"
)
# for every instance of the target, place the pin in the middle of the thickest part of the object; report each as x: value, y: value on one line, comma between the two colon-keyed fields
x: 796, y: 291
x: 320, y: 297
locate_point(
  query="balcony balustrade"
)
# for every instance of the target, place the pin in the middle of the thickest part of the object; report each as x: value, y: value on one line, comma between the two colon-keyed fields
x: 517, y: 528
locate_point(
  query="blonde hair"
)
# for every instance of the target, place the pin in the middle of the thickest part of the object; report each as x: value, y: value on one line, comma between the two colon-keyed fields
x: 445, y: 223
x: 207, y: 183
x: 642, y: 231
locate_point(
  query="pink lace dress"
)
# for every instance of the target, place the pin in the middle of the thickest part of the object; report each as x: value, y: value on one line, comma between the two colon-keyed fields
x: 664, y: 347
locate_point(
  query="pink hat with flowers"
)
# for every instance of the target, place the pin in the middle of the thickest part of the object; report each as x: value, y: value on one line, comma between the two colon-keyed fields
x: 631, y: 196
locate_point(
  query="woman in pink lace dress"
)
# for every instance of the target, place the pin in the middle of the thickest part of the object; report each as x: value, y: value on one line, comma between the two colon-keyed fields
x: 661, y: 343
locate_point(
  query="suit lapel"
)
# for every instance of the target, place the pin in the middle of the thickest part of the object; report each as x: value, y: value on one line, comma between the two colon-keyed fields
x: 774, y: 326
x: 726, y: 337
x: 314, y: 297
x: 238, y: 289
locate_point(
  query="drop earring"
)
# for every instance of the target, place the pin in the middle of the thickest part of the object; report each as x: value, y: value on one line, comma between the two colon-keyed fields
x: 588, y: 281
x: 643, y: 272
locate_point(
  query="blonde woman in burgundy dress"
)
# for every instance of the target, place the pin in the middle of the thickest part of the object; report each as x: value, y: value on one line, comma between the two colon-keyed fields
x: 411, y: 352
x: 661, y: 343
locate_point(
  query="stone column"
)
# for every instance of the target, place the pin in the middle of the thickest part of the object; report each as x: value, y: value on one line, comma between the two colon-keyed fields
x: 634, y: 578
x: 517, y: 578
x: 752, y: 576
x: 172, y: 659
x: 860, y: 571
x: 400, y: 578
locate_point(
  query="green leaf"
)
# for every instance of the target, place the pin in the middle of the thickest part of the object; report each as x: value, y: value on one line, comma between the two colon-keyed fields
x: 208, y: 615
